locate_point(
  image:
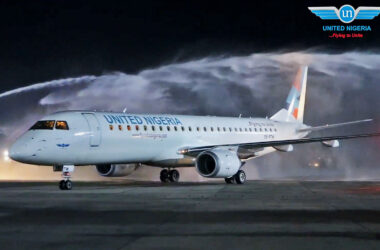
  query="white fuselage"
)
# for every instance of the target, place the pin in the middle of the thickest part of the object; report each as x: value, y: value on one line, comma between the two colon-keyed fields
x: 116, y: 138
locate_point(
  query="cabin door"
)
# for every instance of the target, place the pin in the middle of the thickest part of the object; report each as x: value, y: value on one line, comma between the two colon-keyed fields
x: 94, y: 128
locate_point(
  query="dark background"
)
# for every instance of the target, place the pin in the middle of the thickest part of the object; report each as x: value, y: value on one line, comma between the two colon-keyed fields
x: 45, y: 40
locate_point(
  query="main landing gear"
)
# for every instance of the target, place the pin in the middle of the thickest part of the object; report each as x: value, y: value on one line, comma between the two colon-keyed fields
x: 169, y: 175
x: 238, y: 178
x: 66, y: 184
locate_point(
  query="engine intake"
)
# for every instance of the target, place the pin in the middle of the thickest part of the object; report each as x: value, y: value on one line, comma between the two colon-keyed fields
x: 218, y: 163
x: 115, y: 170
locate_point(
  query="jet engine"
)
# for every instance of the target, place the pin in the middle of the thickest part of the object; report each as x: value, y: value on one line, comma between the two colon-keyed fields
x: 116, y: 170
x: 218, y: 163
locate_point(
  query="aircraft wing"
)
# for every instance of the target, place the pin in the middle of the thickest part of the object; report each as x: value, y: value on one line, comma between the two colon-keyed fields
x: 194, y: 151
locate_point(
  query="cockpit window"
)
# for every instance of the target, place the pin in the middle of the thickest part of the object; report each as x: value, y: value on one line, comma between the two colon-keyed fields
x: 43, y: 125
x: 61, y: 125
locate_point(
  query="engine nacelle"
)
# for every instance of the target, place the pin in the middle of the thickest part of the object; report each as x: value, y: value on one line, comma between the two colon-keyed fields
x: 218, y: 163
x: 115, y: 170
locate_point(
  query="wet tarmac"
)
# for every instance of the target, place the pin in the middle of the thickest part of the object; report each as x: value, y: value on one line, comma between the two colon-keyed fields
x: 147, y: 215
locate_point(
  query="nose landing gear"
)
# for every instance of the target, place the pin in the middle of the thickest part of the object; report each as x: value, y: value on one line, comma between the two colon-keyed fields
x: 66, y: 184
x: 169, y: 175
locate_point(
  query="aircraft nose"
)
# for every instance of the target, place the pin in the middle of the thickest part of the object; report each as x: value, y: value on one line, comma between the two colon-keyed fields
x: 14, y: 153
x: 17, y: 152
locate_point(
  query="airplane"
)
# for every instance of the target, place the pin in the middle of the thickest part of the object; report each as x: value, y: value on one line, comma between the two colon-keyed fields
x: 118, y: 143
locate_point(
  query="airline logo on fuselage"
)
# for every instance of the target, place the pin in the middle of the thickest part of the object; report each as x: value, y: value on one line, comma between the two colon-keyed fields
x: 137, y: 120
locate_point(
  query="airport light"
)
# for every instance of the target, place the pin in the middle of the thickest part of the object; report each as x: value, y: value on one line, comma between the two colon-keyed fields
x: 6, y: 155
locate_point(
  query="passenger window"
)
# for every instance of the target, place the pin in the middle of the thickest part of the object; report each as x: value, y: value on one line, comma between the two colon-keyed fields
x: 111, y: 127
x: 236, y: 129
x: 265, y: 129
x: 145, y: 128
x: 153, y: 128
x: 218, y: 129
x: 230, y: 129
x: 205, y: 129
x: 246, y: 130
x: 175, y: 128
x: 190, y: 129
x: 168, y: 127
x: 137, y: 127
x: 240, y: 129
x: 43, y: 125
x: 197, y: 128
x: 160, y: 128
x: 270, y: 129
x: 212, y: 129
x: 129, y: 128
x: 120, y: 128
x: 250, y: 129
x: 183, y: 128
x: 61, y: 125
x: 261, y: 129
x: 224, y: 129
x: 255, y: 129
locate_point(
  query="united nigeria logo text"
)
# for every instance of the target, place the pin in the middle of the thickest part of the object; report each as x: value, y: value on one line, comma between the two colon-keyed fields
x: 346, y: 14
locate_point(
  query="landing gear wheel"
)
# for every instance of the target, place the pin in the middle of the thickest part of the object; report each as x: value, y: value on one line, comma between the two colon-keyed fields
x: 62, y: 185
x: 229, y: 180
x: 163, y: 179
x: 164, y: 175
x: 240, y: 177
x: 65, y: 185
x: 174, y: 176
x: 68, y: 185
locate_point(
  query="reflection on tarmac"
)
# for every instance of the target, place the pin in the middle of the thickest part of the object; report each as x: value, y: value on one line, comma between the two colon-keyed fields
x: 148, y: 215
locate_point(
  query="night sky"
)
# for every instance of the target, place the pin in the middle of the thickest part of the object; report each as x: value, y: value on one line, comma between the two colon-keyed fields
x: 46, y: 40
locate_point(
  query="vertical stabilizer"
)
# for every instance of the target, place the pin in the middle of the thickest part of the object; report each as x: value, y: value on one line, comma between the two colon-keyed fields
x: 295, y: 103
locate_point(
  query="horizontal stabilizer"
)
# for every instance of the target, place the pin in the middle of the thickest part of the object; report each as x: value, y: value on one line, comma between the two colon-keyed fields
x: 310, y: 129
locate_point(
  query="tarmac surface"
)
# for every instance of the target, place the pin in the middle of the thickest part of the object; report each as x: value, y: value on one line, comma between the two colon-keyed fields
x: 130, y: 215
